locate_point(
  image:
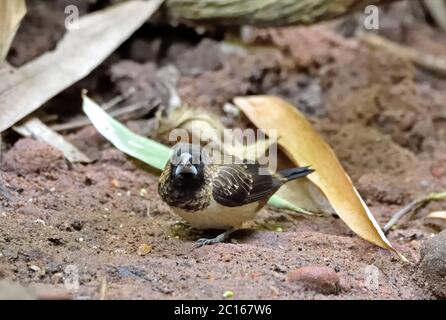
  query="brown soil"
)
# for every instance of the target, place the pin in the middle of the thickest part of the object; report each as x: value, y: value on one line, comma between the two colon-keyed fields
x: 385, y: 124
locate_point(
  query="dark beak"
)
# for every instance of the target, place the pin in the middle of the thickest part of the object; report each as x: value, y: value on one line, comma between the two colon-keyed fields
x: 185, y: 165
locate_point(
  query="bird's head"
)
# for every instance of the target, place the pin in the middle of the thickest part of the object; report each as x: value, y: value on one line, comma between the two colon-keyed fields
x: 187, y: 165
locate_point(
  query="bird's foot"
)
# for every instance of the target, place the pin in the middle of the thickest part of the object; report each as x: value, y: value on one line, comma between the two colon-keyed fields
x: 209, y: 241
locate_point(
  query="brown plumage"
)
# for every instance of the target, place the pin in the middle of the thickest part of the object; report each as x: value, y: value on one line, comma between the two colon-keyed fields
x: 218, y: 196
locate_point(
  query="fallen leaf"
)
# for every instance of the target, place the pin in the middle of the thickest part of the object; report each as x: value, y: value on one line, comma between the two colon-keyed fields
x: 147, y: 150
x: 38, y: 130
x: 305, y: 147
x: 437, y: 215
x: 11, y: 13
x: 144, y: 149
x: 81, y: 50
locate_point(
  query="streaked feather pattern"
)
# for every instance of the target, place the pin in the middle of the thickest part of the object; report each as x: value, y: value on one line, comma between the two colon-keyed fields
x: 220, y: 195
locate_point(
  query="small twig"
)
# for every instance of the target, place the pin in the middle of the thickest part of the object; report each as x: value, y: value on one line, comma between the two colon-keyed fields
x: 85, y: 121
x: 82, y: 122
x: 436, y: 64
x: 411, y: 207
x: 118, y: 99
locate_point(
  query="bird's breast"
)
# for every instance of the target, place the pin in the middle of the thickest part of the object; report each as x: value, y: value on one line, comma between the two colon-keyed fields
x: 216, y: 216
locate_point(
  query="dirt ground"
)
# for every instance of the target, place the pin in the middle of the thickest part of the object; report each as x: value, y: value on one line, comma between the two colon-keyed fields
x: 384, y: 118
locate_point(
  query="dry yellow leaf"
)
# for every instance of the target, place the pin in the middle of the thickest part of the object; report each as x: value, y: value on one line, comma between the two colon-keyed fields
x: 437, y: 215
x: 304, y: 146
x: 11, y: 13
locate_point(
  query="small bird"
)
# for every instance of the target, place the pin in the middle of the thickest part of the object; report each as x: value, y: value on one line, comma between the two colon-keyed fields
x: 218, y: 196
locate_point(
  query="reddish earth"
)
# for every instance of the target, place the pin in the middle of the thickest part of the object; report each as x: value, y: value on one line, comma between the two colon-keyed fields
x: 384, y: 119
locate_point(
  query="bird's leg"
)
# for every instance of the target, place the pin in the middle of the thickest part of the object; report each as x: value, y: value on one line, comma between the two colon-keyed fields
x: 220, y: 238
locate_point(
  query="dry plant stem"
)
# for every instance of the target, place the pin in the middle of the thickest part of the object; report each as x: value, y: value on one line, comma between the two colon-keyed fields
x: 262, y: 13
x: 85, y: 121
x: 411, y: 207
x: 430, y: 62
x: 11, y: 13
x: 118, y: 99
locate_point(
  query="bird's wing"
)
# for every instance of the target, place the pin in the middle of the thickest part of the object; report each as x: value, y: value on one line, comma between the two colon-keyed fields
x: 240, y: 184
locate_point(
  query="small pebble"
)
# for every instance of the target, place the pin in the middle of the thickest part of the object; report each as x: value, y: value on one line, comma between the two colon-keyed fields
x: 57, y: 278
x: 228, y: 294
x: 144, y: 249
x: 318, y: 278
x: 34, y: 268
x: 279, y: 268
x: 115, y: 183
x: 143, y: 192
x: 40, y: 221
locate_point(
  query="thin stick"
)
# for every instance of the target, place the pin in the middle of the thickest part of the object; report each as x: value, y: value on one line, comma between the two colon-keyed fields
x: 411, y: 207
x: 118, y: 99
x: 85, y: 121
x: 431, y: 62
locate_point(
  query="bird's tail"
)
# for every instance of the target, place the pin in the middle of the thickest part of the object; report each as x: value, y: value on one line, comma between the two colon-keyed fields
x: 294, y: 173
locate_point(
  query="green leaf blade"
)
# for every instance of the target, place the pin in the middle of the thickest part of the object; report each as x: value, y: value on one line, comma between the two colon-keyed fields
x: 149, y: 151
